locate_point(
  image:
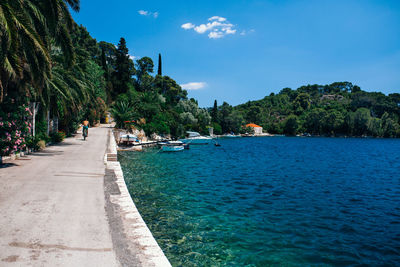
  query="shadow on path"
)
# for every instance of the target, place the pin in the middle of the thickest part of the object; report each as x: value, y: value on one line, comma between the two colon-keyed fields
x: 7, y: 165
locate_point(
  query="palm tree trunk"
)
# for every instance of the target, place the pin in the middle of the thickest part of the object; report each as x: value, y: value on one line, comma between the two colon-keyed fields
x: 1, y: 92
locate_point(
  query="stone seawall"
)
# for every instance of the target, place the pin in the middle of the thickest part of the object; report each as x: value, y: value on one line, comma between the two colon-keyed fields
x: 133, y: 242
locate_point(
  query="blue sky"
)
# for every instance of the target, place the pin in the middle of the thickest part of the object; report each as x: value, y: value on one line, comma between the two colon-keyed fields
x: 240, y: 50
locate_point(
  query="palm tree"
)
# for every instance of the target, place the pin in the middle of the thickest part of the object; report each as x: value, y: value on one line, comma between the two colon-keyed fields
x: 28, y: 31
x: 122, y: 111
x: 21, y: 45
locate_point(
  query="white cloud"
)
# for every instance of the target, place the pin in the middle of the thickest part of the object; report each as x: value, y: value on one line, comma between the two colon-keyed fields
x: 217, y: 18
x: 230, y: 31
x: 132, y: 57
x: 215, y: 35
x: 202, y: 28
x: 194, y: 85
x: 188, y: 26
x: 218, y: 27
x: 148, y: 13
x: 244, y: 32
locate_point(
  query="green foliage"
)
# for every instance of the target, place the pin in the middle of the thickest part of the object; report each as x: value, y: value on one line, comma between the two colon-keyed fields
x: 123, y: 112
x: 291, y: 125
x: 57, y: 137
x: 14, y: 128
x: 217, y: 128
x: 340, y: 108
x: 124, y: 69
x: 29, y: 30
x: 159, y: 72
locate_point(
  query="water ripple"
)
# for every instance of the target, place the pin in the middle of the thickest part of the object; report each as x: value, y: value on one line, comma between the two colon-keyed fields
x: 272, y: 202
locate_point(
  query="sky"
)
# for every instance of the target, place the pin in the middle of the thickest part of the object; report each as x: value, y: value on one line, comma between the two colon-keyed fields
x: 241, y: 50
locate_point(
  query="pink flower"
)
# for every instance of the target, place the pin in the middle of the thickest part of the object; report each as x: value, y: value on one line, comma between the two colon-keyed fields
x: 1, y: 123
x: 26, y: 109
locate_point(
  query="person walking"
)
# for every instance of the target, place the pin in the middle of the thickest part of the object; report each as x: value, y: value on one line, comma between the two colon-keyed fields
x: 85, y: 129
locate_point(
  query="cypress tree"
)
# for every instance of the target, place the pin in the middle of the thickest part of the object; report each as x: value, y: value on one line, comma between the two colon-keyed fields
x: 104, y: 64
x: 214, y: 112
x: 159, y: 65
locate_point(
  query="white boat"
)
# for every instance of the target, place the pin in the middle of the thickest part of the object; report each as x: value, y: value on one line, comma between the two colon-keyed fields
x: 128, y: 137
x: 172, y: 148
x: 196, y: 139
x: 230, y: 136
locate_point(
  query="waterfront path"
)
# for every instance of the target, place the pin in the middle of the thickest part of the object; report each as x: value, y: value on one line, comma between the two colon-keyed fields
x: 52, y: 206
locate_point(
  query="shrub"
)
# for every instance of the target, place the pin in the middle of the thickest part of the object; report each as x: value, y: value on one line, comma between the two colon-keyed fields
x: 41, y: 145
x: 14, y: 127
x: 57, y: 137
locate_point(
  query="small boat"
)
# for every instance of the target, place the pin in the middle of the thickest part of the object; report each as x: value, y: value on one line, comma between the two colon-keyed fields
x: 128, y: 138
x: 230, y: 136
x: 172, y: 148
x: 170, y: 142
x: 195, y: 138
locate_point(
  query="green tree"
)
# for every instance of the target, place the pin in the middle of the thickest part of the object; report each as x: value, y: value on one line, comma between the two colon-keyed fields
x: 144, y: 66
x: 291, y: 125
x: 314, y: 121
x: 124, y: 69
x: 389, y: 126
x: 362, y: 118
x: 214, y: 112
x: 333, y: 122
x: 159, y: 72
x: 122, y: 112
x: 28, y: 31
x: 301, y: 103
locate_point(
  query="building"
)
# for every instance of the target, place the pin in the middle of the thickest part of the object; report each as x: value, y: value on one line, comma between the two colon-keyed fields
x: 257, y: 129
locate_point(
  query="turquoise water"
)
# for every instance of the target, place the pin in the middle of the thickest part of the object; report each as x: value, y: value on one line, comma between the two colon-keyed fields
x: 272, y: 201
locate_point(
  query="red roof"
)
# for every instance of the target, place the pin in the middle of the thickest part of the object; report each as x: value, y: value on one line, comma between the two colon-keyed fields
x: 252, y: 125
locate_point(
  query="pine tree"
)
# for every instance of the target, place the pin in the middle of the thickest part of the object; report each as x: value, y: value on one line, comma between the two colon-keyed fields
x: 124, y: 69
x: 159, y: 65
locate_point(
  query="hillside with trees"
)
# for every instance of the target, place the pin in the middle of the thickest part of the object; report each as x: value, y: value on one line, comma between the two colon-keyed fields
x: 337, y: 109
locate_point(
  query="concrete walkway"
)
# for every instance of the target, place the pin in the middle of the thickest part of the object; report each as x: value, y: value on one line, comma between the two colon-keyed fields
x: 52, y: 206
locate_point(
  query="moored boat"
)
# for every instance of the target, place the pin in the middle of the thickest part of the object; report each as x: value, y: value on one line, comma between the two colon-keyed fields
x: 196, y: 139
x: 172, y: 148
x: 230, y: 136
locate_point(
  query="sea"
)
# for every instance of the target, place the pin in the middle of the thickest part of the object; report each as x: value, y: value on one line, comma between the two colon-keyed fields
x: 272, y: 201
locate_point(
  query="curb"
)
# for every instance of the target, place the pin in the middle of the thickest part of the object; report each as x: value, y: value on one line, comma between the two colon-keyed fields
x: 140, y: 241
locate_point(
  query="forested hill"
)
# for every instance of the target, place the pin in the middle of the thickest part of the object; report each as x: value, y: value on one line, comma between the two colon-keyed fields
x: 337, y: 109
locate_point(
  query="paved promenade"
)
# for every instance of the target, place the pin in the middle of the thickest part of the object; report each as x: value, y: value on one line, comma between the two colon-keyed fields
x: 52, y: 206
